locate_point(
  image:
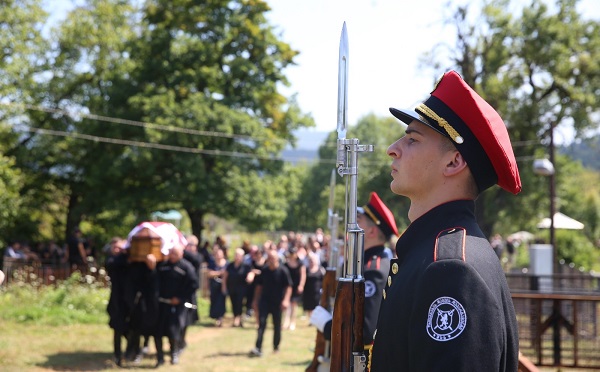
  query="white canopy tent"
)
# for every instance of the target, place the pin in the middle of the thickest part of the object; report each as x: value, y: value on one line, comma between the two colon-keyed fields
x: 561, y: 221
x: 524, y: 236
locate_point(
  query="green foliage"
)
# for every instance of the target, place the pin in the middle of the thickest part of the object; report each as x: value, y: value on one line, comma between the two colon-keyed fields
x: 199, y: 81
x: 374, y: 170
x: 75, y: 300
x: 573, y: 247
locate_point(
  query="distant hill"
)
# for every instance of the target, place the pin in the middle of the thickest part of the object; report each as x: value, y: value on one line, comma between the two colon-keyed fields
x: 309, y: 141
x: 587, y: 151
x: 307, y: 147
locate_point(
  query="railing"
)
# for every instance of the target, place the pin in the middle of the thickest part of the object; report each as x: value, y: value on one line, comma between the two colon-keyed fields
x: 46, y: 273
x: 557, y: 318
x: 50, y: 273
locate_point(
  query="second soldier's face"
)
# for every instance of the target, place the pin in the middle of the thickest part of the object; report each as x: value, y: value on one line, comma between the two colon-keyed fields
x: 416, y: 160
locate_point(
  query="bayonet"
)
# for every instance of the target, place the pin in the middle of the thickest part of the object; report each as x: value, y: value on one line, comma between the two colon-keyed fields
x: 347, y: 349
x: 342, y: 112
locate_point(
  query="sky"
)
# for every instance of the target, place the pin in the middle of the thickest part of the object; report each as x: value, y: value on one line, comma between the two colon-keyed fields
x: 386, y: 40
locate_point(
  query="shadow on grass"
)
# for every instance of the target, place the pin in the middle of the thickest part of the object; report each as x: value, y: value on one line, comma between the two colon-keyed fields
x: 299, y: 363
x: 226, y: 354
x: 88, y: 361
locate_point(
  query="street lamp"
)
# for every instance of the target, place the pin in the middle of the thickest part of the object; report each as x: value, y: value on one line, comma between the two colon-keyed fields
x: 545, y: 167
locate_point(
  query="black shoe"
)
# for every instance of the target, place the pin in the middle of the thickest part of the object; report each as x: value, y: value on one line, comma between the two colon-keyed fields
x: 159, y: 363
x: 119, y: 361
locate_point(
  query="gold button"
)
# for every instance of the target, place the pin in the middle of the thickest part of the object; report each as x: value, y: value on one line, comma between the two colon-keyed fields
x: 384, y: 294
x: 389, y: 281
x: 395, y: 268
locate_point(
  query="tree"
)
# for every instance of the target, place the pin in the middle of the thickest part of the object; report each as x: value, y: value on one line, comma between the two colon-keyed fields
x: 167, y: 105
x: 213, y: 68
x: 538, y: 74
x: 310, y: 209
x: 22, y: 62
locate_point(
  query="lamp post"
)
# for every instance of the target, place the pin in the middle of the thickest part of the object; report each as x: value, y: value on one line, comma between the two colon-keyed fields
x: 545, y: 167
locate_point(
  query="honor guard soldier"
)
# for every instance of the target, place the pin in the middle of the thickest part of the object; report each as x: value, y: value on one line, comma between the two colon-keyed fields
x: 379, y: 226
x: 446, y: 305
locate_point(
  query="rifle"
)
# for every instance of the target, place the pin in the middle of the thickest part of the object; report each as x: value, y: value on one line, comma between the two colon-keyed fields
x: 347, y: 348
x: 321, y: 357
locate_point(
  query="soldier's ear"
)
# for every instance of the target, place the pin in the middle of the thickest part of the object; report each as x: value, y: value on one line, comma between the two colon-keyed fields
x: 454, y: 163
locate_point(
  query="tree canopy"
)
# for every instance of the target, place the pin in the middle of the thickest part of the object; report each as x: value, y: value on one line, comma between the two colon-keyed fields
x: 128, y: 107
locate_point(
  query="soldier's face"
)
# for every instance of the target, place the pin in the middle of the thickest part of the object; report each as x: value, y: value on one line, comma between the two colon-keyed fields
x: 417, y: 160
x: 361, y: 220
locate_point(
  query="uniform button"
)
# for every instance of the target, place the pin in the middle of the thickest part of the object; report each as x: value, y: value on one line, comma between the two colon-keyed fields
x: 384, y: 294
x: 395, y: 268
x: 389, y: 281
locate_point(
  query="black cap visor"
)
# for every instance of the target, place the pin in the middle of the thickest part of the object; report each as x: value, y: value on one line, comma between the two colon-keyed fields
x: 407, y: 116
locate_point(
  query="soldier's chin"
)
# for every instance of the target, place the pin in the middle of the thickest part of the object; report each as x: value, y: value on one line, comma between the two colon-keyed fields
x: 396, y: 189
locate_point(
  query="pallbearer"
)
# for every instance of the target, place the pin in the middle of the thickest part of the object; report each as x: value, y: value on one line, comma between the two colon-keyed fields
x: 178, y: 281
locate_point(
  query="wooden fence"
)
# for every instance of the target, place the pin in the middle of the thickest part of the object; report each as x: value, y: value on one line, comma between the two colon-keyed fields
x: 557, y: 316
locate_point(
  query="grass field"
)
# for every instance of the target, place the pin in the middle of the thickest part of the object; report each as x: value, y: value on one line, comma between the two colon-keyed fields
x: 29, y: 347
x: 64, y: 328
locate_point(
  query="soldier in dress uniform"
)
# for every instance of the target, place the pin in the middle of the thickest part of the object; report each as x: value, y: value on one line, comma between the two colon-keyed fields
x: 379, y: 226
x: 446, y: 305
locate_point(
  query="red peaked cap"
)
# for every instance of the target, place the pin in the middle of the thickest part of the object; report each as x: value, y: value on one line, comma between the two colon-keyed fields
x: 381, y: 215
x: 456, y: 111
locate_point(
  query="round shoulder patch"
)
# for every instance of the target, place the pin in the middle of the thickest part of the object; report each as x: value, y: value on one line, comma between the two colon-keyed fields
x: 446, y: 319
x: 370, y: 288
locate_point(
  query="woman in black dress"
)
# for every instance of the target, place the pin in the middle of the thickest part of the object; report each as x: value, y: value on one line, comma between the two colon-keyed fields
x: 298, y: 273
x: 235, y: 284
x: 314, y: 283
x: 216, y: 268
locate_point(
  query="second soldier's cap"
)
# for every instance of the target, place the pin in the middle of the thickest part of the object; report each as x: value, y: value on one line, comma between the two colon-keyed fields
x: 380, y: 214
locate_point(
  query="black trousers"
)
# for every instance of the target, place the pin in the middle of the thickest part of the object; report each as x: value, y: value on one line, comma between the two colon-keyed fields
x: 263, y: 312
x: 237, y: 302
x: 117, y: 336
x: 160, y: 353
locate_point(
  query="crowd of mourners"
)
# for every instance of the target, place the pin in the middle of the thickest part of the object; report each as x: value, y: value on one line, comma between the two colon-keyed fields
x: 156, y: 299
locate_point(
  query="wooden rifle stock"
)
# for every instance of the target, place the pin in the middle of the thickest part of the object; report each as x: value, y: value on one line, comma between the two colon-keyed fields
x: 347, y: 327
x: 327, y: 293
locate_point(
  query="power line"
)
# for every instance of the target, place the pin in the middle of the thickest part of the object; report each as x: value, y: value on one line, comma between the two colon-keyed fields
x: 167, y: 128
x: 159, y: 146
x: 182, y: 130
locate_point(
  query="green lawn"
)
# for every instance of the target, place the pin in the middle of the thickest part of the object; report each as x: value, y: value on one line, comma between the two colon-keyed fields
x: 30, y: 347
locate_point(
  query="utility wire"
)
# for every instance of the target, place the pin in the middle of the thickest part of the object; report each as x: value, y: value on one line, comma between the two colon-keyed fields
x: 167, y: 128
x: 171, y: 128
x: 159, y: 146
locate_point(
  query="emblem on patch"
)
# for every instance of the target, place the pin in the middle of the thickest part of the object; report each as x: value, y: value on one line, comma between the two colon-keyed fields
x: 446, y: 319
x: 370, y: 288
